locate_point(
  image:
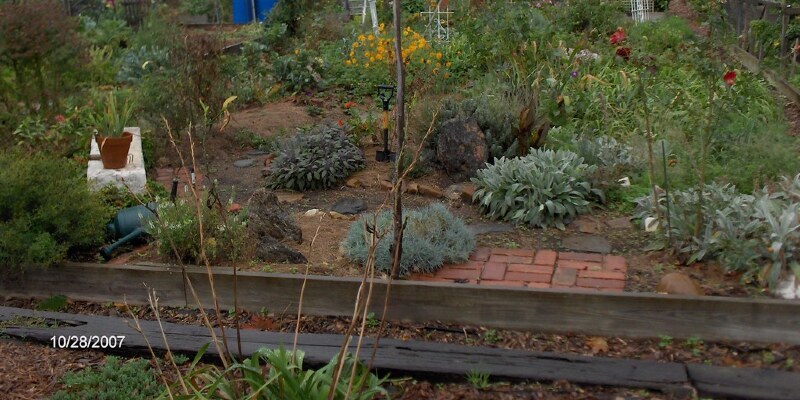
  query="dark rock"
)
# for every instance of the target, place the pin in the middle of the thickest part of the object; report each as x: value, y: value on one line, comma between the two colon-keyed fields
x: 461, y: 148
x: 246, y: 163
x: 587, y: 243
x: 489, y: 227
x: 271, y: 224
x: 266, y: 217
x: 349, y: 206
x: 271, y: 250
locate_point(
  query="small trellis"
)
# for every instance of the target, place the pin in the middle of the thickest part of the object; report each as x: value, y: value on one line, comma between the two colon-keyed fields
x: 641, y: 9
x: 438, y: 27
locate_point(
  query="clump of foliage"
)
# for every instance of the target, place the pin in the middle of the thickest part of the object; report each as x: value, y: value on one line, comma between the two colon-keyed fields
x: 757, y: 235
x: 177, y: 232
x: 432, y: 237
x: 316, y: 160
x: 545, y: 188
x: 598, y: 17
x: 301, y: 70
x: 46, y: 211
x: 286, y: 378
x: 40, y: 52
x: 114, y: 380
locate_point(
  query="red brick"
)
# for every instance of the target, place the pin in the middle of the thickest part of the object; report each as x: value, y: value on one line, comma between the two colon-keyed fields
x: 564, y: 277
x: 538, y: 285
x: 524, y: 277
x: 455, y: 273
x: 513, y: 252
x: 575, y: 264
x: 602, y: 275
x: 468, y: 265
x: 481, y: 254
x: 494, y: 271
x: 615, y: 263
x: 600, y: 283
x: 511, y: 259
x: 545, y: 257
x: 503, y: 283
x: 581, y: 256
x: 531, y: 269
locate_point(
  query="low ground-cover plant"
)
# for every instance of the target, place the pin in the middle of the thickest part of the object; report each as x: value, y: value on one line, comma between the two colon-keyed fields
x: 177, y: 232
x: 116, y: 379
x: 316, y: 160
x: 545, y: 188
x: 285, y: 378
x: 757, y: 235
x: 46, y: 211
x: 432, y: 237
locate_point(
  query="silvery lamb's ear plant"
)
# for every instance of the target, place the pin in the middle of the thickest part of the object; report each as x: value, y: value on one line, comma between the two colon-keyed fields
x: 316, y: 160
x: 758, y: 236
x: 545, y: 188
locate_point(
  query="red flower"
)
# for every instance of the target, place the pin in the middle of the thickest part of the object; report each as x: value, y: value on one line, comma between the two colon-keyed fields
x: 60, y: 119
x: 624, y: 52
x: 618, y: 36
x: 349, y: 104
x: 729, y: 77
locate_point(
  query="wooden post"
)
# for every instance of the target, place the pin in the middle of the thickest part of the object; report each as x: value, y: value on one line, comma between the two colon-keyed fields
x: 784, y: 43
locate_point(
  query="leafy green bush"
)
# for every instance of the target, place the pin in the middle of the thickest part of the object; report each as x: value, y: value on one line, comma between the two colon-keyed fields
x: 595, y: 16
x: 316, y: 160
x: 301, y: 70
x: 177, y: 232
x: 545, y: 188
x: 114, y: 380
x: 46, y: 211
x: 432, y: 237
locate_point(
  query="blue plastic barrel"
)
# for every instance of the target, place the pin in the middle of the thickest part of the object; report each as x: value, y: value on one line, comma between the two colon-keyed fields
x: 243, y: 11
x: 263, y: 7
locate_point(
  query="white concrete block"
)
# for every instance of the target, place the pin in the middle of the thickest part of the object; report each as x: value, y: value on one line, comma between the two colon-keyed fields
x: 132, y: 176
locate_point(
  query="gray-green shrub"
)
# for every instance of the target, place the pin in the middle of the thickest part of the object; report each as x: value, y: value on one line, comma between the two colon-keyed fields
x: 316, y: 160
x: 432, y: 237
x: 115, y: 380
x: 545, y: 188
x: 758, y: 235
x: 46, y: 211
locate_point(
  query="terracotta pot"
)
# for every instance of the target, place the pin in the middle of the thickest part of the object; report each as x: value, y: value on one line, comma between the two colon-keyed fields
x: 114, y: 150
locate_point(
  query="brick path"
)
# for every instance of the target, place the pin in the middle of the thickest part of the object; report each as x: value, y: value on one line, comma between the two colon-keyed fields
x: 536, y: 269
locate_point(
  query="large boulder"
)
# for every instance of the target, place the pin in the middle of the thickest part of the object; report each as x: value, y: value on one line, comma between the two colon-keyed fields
x: 461, y: 148
x: 271, y: 225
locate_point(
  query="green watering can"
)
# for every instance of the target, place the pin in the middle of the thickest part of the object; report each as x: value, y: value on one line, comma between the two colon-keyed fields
x: 127, y: 225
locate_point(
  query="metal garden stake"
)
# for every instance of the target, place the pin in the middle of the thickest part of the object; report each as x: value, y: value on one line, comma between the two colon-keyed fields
x: 385, y: 93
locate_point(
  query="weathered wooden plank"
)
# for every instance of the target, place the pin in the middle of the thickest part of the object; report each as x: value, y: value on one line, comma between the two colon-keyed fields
x: 432, y: 360
x: 783, y: 87
x: 744, y: 383
x: 623, y: 314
